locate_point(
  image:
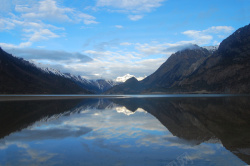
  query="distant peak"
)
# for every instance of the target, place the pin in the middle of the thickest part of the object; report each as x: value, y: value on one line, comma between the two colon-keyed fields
x: 190, y: 47
x: 132, y: 79
x: 124, y: 78
x: 182, y: 47
x: 128, y: 76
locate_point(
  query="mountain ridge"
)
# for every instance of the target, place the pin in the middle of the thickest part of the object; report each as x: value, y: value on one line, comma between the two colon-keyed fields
x: 228, y: 69
x: 198, y: 70
x: 178, y: 65
x: 19, y: 76
x: 191, y: 70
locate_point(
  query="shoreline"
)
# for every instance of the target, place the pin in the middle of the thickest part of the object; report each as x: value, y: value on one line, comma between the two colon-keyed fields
x: 30, y: 97
x: 51, y: 97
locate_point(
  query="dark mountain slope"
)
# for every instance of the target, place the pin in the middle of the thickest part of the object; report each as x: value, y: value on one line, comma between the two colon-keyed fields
x: 197, y: 70
x: 179, y: 65
x: 131, y: 86
x: 18, y: 76
x: 227, y: 70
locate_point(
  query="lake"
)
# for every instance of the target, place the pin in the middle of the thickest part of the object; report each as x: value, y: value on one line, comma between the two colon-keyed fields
x: 140, y: 130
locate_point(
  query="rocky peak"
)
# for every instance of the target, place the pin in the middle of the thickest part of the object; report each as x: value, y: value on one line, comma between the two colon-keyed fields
x: 236, y: 46
x: 191, y: 47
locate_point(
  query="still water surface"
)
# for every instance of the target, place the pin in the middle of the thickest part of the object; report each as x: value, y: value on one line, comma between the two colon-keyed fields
x: 164, y: 131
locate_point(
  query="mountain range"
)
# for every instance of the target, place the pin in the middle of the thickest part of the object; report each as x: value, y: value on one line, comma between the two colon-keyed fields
x: 223, y: 69
x: 18, y: 76
x: 200, y: 70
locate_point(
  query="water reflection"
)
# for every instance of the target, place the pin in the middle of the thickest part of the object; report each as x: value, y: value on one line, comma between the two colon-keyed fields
x: 127, y: 131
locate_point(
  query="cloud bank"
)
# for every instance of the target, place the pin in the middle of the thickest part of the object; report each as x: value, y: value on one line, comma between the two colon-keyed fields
x: 33, y: 19
x: 134, y: 8
x: 112, y: 59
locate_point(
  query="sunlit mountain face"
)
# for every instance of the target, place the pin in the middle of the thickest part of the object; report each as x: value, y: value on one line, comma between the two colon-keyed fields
x: 130, y: 131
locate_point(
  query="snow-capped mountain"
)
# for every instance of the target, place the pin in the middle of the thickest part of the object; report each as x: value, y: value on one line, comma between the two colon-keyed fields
x: 50, y: 71
x: 211, y: 48
x: 128, y: 76
x: 95, y: 86
x: 19, y: 76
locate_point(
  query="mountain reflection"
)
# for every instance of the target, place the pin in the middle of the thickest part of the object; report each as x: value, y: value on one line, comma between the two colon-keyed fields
x: 155, y: 129
x: 202, y: 119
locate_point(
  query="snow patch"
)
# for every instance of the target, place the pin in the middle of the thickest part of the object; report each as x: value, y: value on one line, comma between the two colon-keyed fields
x: 211, y: 48
x: 127, y: 112
x: 128, y: 76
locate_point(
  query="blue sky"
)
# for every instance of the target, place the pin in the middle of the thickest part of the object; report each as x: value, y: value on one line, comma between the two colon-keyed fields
x: 111, y: 38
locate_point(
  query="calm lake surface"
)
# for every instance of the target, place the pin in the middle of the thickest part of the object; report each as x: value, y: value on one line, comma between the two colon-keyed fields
x: 160, y: 130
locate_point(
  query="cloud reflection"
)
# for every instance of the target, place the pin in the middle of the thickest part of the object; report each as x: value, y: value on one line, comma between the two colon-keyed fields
x: 54, y: 133
x: 109, y: 132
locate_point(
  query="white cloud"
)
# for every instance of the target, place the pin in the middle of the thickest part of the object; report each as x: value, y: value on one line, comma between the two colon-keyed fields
x: 119, y: 26
x: 32, y: 32
x: 199, y: 36
x: 46, y: 9
x: 144, y: 59
x: 43, y: 34
x: 152, y: 49
x: 50, y: 10
x: 6, y: 24
x: 206, y: 36
x: 30, y: 17
x: 219, y: 29
x: 21, y: 45
x: 135, y: 17
x: 87, y: 19
x: 103, y: 64
x: 111, y: 65
x: 87, y: 22
x: 125, y: 44
x: 135, y: 8
x: 138, y: 62
x: 112, y: 59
